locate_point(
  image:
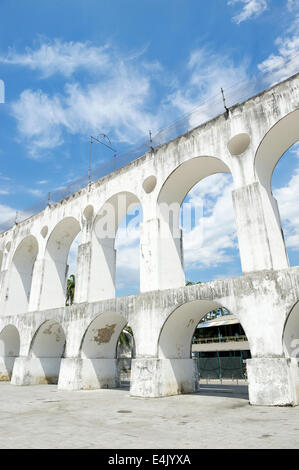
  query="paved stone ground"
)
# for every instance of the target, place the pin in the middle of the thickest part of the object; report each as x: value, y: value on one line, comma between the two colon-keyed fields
x: 219, y: 416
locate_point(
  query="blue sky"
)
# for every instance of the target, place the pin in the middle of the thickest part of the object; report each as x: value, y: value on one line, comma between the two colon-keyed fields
x: 122, y: 67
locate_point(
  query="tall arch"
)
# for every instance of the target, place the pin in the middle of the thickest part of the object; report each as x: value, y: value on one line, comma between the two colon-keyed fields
x: 103, y: 261
x: 20, y: 277
x: 170, y: 199
x: 9, y: 350
x: 55, y: 267
x: 46, y: 351
x: 275, y: 143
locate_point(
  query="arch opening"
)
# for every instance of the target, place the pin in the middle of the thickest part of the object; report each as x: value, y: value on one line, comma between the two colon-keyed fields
x: 283, y: 135
x: 127, y: 246
x: 20, y: 278
x: 9, y: 350
x: 115, y: 239
x: 126, y: 351
x: 290, y: 342
x: 56, y: 267
x: 198, y: 233
x: 285, y: 188
x: 46, y: 351
x: 207, y: 332
x: 72, y: 270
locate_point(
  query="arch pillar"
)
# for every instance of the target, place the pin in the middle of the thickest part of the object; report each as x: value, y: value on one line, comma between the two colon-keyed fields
x: 272, y: 381
x: 260, y: 236
x: 88, y: 374
x: 95, y: 365
x: 102, y: 269
x: 9, y: 351
x: 84, y: 257
x: 163, y: 365
x: 36, y: 286
x: 162, y: 377
x: 161, y: 256
x: 42, y: 365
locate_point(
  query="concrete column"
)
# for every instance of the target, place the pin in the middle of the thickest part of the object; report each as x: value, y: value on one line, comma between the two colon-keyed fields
x: 36, y: 285
x: 83, y: 273
x: 53, y: 282
x: 161, y: 257
x: 35, y: 370
x: 261, y: 242
x: 88, y: 374
x: 102, y: 270
x: 152, y: 377
x: 272, y: 381
x: 6, y: 367
x: 3, y: 289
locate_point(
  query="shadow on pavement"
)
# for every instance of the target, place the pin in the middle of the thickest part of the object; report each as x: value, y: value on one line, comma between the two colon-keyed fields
x: 222, y: 390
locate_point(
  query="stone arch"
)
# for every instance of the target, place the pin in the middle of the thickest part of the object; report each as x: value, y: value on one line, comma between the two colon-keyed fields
x: 175, y: 362
x: 279, y: 138
x: 20, y: 278
x: 106, y: 223
x: 101, y: 336
x: 178, y: 329
x: 46, y: 351
x: 290, y: 343
x: 173, y: 192
x: 290, y: 337
x: 186, y: 175
x: 98, y: 351
x: 9, y: 350
x: 55, y: 267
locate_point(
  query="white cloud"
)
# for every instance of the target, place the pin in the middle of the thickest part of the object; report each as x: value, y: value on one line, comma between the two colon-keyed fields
x: 7, y: 217
x: 35, y: 192
x: 60, y: 57
x: 284, y: 64
x: 116, y: 106
x: 208, y: 72
x: 251, y: 9
x: 210, y: 242
x: 281, y: 65
x: 119, y: 100
x: 292, y: 4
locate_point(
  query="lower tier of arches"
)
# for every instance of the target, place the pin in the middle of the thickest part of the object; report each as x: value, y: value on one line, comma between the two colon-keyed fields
x: 77, y: 347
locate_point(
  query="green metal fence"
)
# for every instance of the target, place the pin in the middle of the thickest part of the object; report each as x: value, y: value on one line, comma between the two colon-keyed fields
x: 224, y: 367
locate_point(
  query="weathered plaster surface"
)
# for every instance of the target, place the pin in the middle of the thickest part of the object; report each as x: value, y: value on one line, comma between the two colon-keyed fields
x: 76, y: 345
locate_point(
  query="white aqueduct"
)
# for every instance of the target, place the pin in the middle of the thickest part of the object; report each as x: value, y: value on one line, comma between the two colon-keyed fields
x: 42, y: 340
